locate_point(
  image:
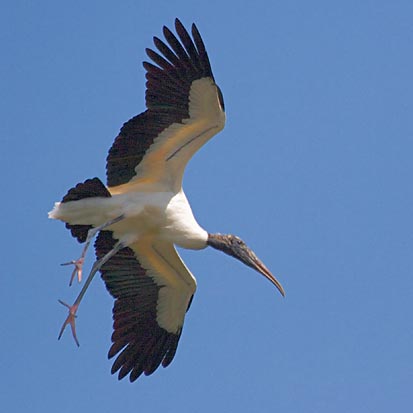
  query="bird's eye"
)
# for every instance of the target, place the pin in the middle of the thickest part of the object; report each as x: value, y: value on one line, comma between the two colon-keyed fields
x: 239, y: 241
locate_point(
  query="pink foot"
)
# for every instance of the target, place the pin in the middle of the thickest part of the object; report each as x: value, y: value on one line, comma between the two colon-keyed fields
x: 70, y: 320
x: 77, y: 270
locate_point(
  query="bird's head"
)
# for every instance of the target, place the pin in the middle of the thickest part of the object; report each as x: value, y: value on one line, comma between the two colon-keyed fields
x: 233, y: 245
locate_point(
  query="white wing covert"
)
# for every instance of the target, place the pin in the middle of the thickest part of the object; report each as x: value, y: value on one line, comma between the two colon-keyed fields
x: 184, y: 110
x: 152, y: 290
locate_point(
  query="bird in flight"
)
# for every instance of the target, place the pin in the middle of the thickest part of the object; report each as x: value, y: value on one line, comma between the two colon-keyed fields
x: 142, y: 212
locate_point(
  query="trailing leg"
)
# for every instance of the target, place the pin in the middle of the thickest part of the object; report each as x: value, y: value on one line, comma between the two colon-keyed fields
x: 70, y: 320
x: 90, y: 235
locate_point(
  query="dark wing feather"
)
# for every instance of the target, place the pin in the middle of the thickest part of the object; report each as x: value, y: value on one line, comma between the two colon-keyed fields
x: 140, y: 343
x: 178, y: 64
x: 189, y: 46
x: 131, y: 144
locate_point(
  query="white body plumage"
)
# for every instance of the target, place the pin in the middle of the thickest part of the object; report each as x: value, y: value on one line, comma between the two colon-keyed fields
x: 166, y: 215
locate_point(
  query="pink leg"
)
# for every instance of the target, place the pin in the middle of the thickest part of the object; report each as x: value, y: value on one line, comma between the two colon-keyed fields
x: 90, y: 235
x: 77, y: 270
x: 70, y: 319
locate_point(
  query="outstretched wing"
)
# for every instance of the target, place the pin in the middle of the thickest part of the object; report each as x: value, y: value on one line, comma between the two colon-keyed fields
x: 152, y: 289
x: 184, y: 110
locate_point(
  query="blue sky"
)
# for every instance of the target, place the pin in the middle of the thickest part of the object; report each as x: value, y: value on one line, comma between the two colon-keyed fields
x: 313, y: 170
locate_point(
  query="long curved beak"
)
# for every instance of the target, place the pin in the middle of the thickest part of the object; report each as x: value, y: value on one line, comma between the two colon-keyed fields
x: 234, y: 246
x: 248, y: 257
x: 262, y: 269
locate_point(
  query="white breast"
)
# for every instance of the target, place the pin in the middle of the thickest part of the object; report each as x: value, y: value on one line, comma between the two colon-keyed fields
x: 181, y: 227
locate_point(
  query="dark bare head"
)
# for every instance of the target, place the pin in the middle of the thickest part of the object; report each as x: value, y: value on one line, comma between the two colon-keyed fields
x: 232, y: 245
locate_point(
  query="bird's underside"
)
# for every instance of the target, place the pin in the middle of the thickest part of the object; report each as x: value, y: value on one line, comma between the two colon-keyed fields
x: 142, y: 212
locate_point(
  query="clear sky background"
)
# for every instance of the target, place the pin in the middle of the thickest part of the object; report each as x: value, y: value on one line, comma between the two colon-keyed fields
x: 313, y: 170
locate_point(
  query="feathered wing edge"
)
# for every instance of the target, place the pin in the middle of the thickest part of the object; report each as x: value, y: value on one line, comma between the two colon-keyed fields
x: 140, y: 344
x: 177, y: 64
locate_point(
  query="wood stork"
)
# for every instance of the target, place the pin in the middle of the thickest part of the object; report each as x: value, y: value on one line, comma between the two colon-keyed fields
x: 143, y: 213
